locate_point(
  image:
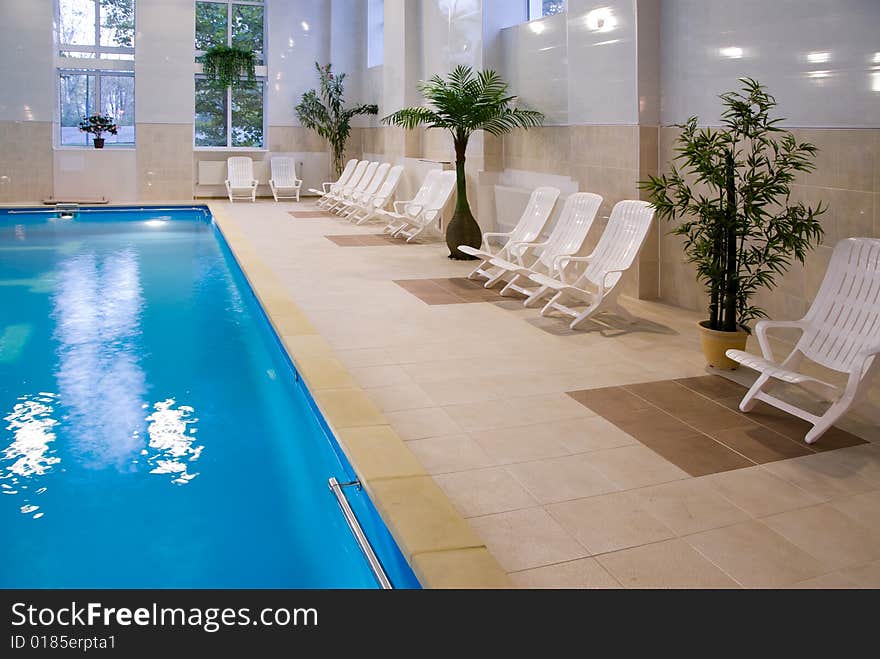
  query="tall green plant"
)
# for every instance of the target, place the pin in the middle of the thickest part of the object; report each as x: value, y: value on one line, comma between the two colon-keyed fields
x: 740, y: 226
x: 462, y: 104
x: 325, y: 113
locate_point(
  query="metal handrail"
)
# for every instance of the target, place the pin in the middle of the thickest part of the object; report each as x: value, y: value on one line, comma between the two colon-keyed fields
x: 359, y: 535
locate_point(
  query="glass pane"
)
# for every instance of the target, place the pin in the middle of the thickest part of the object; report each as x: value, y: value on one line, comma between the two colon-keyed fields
x: 553, y: 7
x: 77, y: 22
x: 117, y: 23
x: 117, y: 101
x: 247, y: 115
x: 77, y: 92
x: 210, y: 114
x: 210, y: 25
x: 247, y: 29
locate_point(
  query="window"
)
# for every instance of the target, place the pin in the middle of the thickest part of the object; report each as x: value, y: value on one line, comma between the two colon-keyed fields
x: 230, y: 117
x: 96, y: 29
x: 541, y: 8
x: 375, y: 32
x: 92, y: 36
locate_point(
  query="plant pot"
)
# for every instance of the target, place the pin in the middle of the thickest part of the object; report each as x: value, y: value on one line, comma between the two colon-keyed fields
x: 99, y: 142
x: 716, y: 344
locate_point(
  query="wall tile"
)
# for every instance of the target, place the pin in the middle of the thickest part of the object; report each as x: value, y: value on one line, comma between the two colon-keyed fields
x: 26, y: 167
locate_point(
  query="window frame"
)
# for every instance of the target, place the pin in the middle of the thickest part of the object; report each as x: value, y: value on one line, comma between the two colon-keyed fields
x: 97, y: 50
x: 98, y: 74
x: 262, y: 78
x: 535, y: 10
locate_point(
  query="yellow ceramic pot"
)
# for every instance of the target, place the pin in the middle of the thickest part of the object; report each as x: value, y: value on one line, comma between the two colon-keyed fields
x: 716, y: 344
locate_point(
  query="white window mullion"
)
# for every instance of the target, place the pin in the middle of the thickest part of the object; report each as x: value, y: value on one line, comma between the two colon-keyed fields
x: 229, y: 117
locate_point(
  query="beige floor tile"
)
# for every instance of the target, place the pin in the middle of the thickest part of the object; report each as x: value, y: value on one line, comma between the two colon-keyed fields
x: 480, y: 416
x: 669, y: 564
x: 826, y: 533
x: 830, y: 581
x: 371, y: 377
x: 422, y: 423
x: 585, y: 573
x: 864, y: 508
x: 526, y: 539
x: 759, y: 492
x: 609, y: 522
x: 441, y: 455
x: 484, y: 492
x: 821, y: 478
x: 634, y: 466
x: 756, y: 556
x: 864, y: 576
x: 522, y: 444
x: 561, y: 479
x: 399, y: 397
x: 464, y: 390
x: 581, y: 435
x: 690, y: 506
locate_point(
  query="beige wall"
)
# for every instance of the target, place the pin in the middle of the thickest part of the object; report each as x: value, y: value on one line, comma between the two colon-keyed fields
x: 847, y: 180
x: 26, y: 167
x: 164, y: 161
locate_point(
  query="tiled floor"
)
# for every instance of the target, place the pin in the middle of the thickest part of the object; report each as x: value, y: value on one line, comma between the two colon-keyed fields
x: 366, y: 240
x: 695, y: 424
x: 570, y: 495
x: 310, y: 214
x: 448, y: 290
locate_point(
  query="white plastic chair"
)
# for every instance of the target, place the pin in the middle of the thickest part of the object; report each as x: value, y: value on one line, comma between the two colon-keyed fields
x: 350, y: 204
x: 284, y: 183
x: 618, y: 247
x: 566, y: 239
x: 413, y: 206
x: 353, y: 186
x: 841, y: 332
x: 240, y: 181
x: 432, y: 212
x: 342, y: 180
x: 527, y: 230
x: 372, y: 207
x: 331, y: 198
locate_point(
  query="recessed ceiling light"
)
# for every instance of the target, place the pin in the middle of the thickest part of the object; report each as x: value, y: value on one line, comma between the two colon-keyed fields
x: 731, y: 52
x: 818, y: 57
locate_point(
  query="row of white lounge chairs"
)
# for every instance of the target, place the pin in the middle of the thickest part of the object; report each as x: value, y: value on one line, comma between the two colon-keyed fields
x: 531, y: 265
x: 365, y: 190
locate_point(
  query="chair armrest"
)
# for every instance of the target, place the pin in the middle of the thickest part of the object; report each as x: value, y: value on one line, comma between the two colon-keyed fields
x: 519, y: 249
x: 761, y: 333
x: 488, y: 236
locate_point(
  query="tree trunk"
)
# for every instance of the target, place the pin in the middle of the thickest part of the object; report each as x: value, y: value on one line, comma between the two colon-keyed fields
x: 731, y: 292
x: 463, y: 229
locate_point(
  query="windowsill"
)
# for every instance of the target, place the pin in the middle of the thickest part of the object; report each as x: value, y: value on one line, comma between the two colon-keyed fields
x: 220, y: 149
x: 107, y: 147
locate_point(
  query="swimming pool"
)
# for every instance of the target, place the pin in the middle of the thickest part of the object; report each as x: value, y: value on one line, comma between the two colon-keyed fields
x: 154, y: 433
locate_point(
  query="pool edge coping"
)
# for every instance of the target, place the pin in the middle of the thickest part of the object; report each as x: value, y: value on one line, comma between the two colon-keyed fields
x: 437, y: 542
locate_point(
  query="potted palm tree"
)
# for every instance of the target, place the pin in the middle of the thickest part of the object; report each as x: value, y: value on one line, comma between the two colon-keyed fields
x: 732, y: 199
x: 465, y: 102
x: 326, y: 114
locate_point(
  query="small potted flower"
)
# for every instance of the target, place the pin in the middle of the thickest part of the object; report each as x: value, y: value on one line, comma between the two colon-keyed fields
x: 97, y: 125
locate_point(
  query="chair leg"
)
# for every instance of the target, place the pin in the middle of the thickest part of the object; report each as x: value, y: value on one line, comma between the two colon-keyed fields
x: 750, y: 400
x: 478, y: 271
x: 510, y: 284
x: 583, y: 316
x: 827, y: 420
x: 551, y: 304
x: 535, y: 297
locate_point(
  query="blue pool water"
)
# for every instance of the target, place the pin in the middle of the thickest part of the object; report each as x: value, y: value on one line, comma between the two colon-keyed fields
x: 153, y: 433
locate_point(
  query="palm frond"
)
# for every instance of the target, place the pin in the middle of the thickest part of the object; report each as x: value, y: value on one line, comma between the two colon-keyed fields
x: 411, y: 118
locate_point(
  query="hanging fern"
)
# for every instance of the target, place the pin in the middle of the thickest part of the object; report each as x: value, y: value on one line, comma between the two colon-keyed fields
x: 226, y: 65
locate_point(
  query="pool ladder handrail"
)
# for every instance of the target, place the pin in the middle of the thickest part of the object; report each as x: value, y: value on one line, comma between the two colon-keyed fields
x: 363, y: 542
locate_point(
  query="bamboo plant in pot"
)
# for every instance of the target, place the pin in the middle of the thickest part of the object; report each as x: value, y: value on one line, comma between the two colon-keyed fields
x: 731, y: 196
x: 465, y: 102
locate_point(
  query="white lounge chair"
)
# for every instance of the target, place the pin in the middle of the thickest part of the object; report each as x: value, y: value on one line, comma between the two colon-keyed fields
x: 841, y: 332
x: 618, y: 247
x: 527, y: 230
x: 284, y: 183
x: 413, y: 206
x: 432, y: 212
x: 332, y: 195
x: 240, y: 181
x: 347, y: 171
x: 350, y: 204
x: 371, y: 208
x: 566, y: 239
x: 353, y: 187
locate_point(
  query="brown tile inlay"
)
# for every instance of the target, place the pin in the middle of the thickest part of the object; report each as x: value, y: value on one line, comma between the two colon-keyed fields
x: 457, y: 290
x: 695, y: 423
x: 366, y: 240
x: 310, y: 215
